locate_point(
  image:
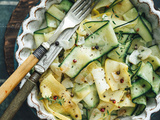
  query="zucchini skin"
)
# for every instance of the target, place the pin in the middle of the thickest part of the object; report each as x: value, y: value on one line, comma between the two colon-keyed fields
x: 96, y: 53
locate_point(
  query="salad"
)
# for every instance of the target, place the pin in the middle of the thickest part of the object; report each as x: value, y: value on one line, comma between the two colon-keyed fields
x: 110, y: 71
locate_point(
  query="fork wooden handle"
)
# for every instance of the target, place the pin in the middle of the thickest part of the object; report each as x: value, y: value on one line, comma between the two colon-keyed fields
x: 8, y: 86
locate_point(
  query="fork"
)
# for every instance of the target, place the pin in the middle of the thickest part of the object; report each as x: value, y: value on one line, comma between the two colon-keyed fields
x: 76, y: 14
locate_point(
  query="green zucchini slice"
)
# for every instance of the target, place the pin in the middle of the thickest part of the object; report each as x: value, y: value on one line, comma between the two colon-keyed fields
x: 143, y: 30
x: 139, y: 88
x: 95, y: 46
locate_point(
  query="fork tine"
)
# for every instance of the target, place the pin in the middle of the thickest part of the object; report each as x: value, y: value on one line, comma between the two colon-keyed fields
x: 77, y: 4
x: 80, y: 7
x: 87, y: 9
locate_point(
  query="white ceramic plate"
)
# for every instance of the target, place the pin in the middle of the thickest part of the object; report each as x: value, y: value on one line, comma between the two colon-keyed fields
x: 36, y: 17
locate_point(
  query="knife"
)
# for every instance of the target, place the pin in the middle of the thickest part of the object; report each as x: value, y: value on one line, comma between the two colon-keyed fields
x: 8, y: 86
x: 40, y: 68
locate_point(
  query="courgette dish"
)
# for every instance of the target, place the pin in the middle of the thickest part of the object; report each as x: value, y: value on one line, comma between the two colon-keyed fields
x: 109, y: 72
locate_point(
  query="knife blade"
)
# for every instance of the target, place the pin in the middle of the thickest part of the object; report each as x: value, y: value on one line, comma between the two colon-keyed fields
x: 40, y: 68
x: 54, y: 50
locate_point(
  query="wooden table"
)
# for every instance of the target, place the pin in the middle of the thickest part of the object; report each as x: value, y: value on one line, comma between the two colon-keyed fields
x: 13, y: 26
x: 16, y: 19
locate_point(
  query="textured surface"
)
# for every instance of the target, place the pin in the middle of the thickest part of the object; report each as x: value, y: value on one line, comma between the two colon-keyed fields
x: 6, y: 53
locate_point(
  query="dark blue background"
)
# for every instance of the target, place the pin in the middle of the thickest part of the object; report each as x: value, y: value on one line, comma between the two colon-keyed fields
x: 25, y: 113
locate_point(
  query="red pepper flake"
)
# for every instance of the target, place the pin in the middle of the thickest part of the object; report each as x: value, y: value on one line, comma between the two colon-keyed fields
x: 76, y: 45
x: 153, y: 78
x: 93, y: 48
x: 74, y: 60
x: 122, y: 80
x: 119, y: 3
x: 137, y: 30
x: 55, y: 97
x: 107, y: 6
x: 119, y: 107
x: 87, y: 35
x: 102, y: 109
x: 114, y: 101
x: 6, y: 91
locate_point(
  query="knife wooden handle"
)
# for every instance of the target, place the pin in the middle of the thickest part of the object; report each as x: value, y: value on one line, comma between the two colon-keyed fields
x: 20, y: 97
x: 8, y: 86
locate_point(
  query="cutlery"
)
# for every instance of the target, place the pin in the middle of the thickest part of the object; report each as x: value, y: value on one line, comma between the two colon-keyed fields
x: 76, y: 14
x: 30, y: 83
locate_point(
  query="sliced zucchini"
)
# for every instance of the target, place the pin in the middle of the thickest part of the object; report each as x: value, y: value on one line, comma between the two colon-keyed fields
x: 126, y: 101
x: 48, y: 35
x: 39, y: 35
x: 94, y: 114
x: 155, y: 50
x: 101, y: 84
x: 65, y: 105
x: 95, y: 46
x: 44, y: 30
x: 56, y: 13
x: 103, y: 3
x: 142, y: 53
x: 103, y: 59
x: 65, y: 5
x: 139, y: 88
x: 91, y: 26
x: 113, y: 96
x: 142, y: 102
x: 156, y: 83
x: 121, y: 7
x: 130, y: 73
x: 146, y: 72
x: 155, y: 61
x: 135, y: 69
x: 151, y: 94
x: 147, y: 23
x: 117, y: 75
x: 142, y: 30
x: 119, y: 54
x: 126, y: 111
x: 107, y: 106
x: 155, y: 86
x: 85, y: 76
x: 92, y: 98
x: 140, y: 109
x: 120, y: 25
x: 130, y: 15
x: 80, y: 91
x: 51, y: 21
x: 136, y: 43
x: 80, y: 40
x: 123, y: 38
x: 39, y: 39
x: 88, y: 28
x: 127, y: 27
